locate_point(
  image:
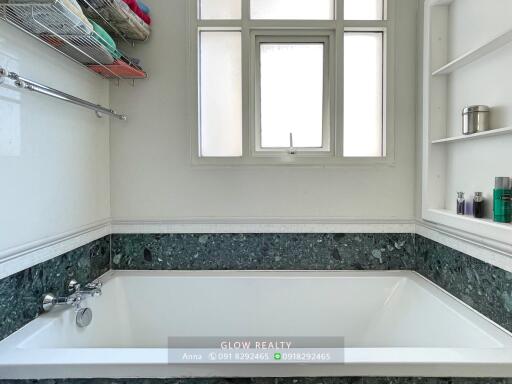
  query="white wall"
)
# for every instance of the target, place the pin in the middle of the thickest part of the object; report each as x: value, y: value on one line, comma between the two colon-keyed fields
x: 419, y: 107
x: 152, y: 175
x: 472, y: 166
x: 54, y: 157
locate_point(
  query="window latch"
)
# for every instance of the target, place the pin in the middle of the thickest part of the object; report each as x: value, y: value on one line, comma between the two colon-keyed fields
x: 292, y: 150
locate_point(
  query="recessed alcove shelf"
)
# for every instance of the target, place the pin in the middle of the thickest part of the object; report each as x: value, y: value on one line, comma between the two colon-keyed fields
x: 475, y: 54
x: 484, y: 227
x: 446, y: 167
x: 480, y: 135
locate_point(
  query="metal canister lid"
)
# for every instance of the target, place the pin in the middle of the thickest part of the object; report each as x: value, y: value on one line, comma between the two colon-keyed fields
x: 476, y: 108
x: 502, y: 183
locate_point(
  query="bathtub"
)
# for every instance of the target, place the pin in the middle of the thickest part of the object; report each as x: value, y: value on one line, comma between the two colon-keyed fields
x: 380, y: 324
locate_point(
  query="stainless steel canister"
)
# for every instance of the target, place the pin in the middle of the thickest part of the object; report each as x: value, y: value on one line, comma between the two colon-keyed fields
x: 475, y: 119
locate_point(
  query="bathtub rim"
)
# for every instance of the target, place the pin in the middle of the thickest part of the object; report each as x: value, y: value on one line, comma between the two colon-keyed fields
x: 15, y: 339
x: 467, y: 362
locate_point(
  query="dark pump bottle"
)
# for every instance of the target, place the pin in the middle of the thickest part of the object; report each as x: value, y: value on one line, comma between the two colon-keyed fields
x: 478, y: 205
x: 502, y: 200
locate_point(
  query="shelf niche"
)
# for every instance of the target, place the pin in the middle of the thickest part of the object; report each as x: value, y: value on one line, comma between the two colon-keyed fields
x: 475, y: 136
x: 475, y: 164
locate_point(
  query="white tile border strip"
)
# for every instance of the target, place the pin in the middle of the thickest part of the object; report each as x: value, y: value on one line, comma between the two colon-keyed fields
x: 487, y: 250
x: 17, y: 259
x: 263, y: 226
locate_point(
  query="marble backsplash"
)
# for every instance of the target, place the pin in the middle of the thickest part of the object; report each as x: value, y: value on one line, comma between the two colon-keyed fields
x: 23, y: 291
x: 486, y: 288
x: 263, y: 251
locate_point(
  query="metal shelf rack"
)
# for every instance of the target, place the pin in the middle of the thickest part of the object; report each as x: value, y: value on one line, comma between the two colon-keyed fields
x: 53, y: 23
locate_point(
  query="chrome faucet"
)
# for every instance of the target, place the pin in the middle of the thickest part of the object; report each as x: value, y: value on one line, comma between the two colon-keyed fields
x: 77, y: 295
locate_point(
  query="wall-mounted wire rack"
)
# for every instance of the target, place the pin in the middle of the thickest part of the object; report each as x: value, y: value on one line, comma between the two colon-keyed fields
x: 59, y: 25
x: 117, y: 18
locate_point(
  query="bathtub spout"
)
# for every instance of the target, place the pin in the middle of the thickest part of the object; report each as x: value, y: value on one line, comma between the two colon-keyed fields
x: 91, y: 289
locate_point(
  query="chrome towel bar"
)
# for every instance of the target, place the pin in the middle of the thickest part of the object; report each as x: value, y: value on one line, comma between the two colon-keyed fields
x: 30, y: 85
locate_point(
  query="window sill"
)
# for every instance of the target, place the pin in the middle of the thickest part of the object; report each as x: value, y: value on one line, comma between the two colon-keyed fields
x: 286, y: 160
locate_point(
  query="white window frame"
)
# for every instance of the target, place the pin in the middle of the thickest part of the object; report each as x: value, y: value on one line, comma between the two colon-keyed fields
x: 331, y: 31
x: 299, y: 37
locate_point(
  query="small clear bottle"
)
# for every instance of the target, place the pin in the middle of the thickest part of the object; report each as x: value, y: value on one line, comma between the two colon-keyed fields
x: 478, y: 205
x: 461, y: 203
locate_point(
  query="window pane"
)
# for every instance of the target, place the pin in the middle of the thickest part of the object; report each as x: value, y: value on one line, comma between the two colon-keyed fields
x: 221, y: 94
x: 363, y: 129
x: 364, y: 9
x: 220, y: 9
x: 292, y: 9
x: 292, y: 77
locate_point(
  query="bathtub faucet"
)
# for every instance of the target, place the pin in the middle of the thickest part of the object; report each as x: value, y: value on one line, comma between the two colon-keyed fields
x: 75, y: 298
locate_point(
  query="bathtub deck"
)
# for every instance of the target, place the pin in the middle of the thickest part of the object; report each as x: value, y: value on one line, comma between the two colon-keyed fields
x: 385, y: 324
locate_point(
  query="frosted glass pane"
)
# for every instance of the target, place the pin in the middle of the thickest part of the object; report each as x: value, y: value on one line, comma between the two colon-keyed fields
x: 292, y: 9
x: 221, y: 94
x: 363, y: 129
x: 220, y: 9
x: 291, y: 95
x: 364, y: 9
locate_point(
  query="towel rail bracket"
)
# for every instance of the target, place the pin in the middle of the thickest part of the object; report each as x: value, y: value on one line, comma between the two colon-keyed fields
x: 29, y: 85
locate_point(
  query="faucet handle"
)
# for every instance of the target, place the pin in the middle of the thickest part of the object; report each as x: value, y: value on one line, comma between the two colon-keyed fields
x: 73, y: 286
x: 97, y: 285
x: 95, y: 288
x: 49, y: 301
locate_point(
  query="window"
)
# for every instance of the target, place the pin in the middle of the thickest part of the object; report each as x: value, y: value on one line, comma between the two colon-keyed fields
x: 221, y: 9
x: 363, y: 88
x: 221, y: 94
x: 291, y: 80
x: 292, y: 9
x: 364, y: 9
x: 300, y: 81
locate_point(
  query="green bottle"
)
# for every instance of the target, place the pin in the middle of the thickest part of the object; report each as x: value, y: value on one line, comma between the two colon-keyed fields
x: 502, y: 200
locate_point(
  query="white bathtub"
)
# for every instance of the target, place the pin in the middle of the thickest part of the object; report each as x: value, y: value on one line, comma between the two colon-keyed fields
x: 393, y: 324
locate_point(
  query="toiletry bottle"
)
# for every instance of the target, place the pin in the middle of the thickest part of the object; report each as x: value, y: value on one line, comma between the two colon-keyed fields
x: 502, y: 200
x: 469, y: 207
x: 478, y: 205
x: 461, y: 203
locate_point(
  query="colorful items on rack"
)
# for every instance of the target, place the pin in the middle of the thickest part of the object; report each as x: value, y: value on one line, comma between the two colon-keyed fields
x: 116, y: 17
x: 63, y: 17
x: 144, y: 8
x: 73, y: 6
x: 84, y: 50
x: 134, y: 6
x: 119, y: 69
x: 63, y: 25
x: 105, y: 40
